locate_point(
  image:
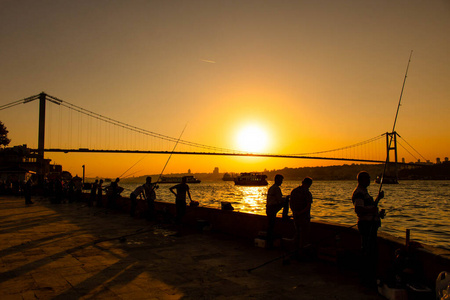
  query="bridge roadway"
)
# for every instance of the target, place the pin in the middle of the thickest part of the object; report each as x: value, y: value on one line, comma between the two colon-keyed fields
x: 71, y: 251
x: 85, y: 150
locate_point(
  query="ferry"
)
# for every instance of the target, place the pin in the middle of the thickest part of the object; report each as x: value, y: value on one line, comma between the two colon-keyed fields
x: 251, y: 179
x: 189, y: 179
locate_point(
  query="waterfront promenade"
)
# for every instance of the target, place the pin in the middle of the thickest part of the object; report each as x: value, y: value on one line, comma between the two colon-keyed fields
x: 71, y: 251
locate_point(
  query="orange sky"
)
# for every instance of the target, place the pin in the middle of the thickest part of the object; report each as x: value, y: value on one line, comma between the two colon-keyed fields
x: 315, y: 75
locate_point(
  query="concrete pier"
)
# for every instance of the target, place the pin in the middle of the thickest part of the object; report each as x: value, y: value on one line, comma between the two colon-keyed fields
x: 72, y: 251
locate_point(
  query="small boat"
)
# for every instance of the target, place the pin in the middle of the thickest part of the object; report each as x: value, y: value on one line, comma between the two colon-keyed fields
x: 251, y: 179
x: 189, y: 179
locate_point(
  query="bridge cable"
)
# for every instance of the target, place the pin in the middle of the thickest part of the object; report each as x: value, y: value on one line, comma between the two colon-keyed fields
x: 343, y: 148
x: 136, y: 129
x: 412, y: 148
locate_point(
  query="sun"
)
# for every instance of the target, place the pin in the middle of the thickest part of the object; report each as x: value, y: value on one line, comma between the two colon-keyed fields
x: 252, y: 138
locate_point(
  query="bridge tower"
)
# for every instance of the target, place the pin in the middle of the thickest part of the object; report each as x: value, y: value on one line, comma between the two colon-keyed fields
x: 41, y: 136
x: 391, y: 145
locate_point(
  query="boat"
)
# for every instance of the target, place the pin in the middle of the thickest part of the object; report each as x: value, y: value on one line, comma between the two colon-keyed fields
x: 173, y: 179
x: 251, y: 179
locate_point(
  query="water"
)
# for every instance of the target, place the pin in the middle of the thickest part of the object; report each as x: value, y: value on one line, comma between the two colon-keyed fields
x: 421, y: 206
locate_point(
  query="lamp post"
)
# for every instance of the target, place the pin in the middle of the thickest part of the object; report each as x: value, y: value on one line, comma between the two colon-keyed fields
x: 83, y: 173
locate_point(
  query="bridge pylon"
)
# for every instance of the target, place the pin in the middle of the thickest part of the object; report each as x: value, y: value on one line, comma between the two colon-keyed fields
x: 391, y: 145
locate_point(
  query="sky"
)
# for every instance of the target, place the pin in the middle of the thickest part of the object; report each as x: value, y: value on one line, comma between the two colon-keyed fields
x: 307, y: 75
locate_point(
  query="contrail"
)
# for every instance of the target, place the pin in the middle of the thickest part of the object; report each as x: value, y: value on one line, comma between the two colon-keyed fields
x: 208, y: 61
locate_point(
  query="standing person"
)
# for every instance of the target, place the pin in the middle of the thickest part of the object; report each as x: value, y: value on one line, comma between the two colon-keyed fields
x: 57, y: 183
x: 300, y: 201
x: 151, y: 197
x: 180, y: 199
x: 99, y: 193
x: 275, y: 202
x: 93, y: 193
x: 368, y: 222
x: 138, y: 192
x: 27, y: 191
x: 78, y: 189
x: 113, y: 193
x: 71, y: 190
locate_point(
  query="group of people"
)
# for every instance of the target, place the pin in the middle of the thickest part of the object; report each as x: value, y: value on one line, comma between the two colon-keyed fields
x: 144, y: 192
x: 147, y: 192
x: 300, y: 201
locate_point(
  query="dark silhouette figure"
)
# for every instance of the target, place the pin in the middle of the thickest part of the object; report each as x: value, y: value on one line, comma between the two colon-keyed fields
x: 150, y: 194
x: 138, y: 192
x: 99, y: 193
x: 71, y: 190
x: 93, y: 193
x: 180, y: 199
x: 78, y: 188
x: 275, y: 202
x: 113, y: 193
x: 300, y: 202
x: 57, y: 183
x: 27, y: 191
x: 368, y: 223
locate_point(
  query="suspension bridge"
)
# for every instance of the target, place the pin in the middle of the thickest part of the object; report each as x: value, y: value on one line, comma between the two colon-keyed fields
x: 66, y: 127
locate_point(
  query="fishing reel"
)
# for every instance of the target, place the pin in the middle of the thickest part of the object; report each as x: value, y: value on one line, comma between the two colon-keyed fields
x: 382, y: 213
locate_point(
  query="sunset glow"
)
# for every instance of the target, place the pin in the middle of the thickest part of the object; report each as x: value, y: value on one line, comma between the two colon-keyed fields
x: 252, y: 138
x: 289, y: 77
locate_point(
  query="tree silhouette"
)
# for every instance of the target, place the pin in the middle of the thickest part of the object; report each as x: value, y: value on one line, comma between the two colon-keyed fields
x: 4, y: 141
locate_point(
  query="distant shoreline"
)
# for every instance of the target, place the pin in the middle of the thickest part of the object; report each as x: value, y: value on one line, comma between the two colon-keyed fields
x: 341, y: 172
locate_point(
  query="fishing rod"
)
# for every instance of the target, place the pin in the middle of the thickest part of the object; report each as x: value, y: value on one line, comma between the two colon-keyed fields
x: 393, y: 127
x: 131, y: 174
x: 131, y: 167
x: 173, y: 150
x: 144, y: 157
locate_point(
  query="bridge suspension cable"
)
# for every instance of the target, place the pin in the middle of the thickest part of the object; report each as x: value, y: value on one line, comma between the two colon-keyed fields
x: 119, y: 131
x: 343, y: 148
x: 411, y: 148
x: 137, y: 129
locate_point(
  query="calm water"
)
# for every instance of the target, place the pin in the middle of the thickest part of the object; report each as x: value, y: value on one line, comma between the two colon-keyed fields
x: 421, y: 206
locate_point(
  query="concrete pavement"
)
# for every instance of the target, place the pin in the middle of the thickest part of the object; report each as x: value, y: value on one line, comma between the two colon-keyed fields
x: 71, y: 251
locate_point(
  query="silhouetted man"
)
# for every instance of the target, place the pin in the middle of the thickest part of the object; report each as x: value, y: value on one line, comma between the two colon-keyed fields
x: 27, y: 191
x: 150, y: 194
x: 275, y: 202
x: 180, y: 200
x: 368, y: 222
x: 300, y: 201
